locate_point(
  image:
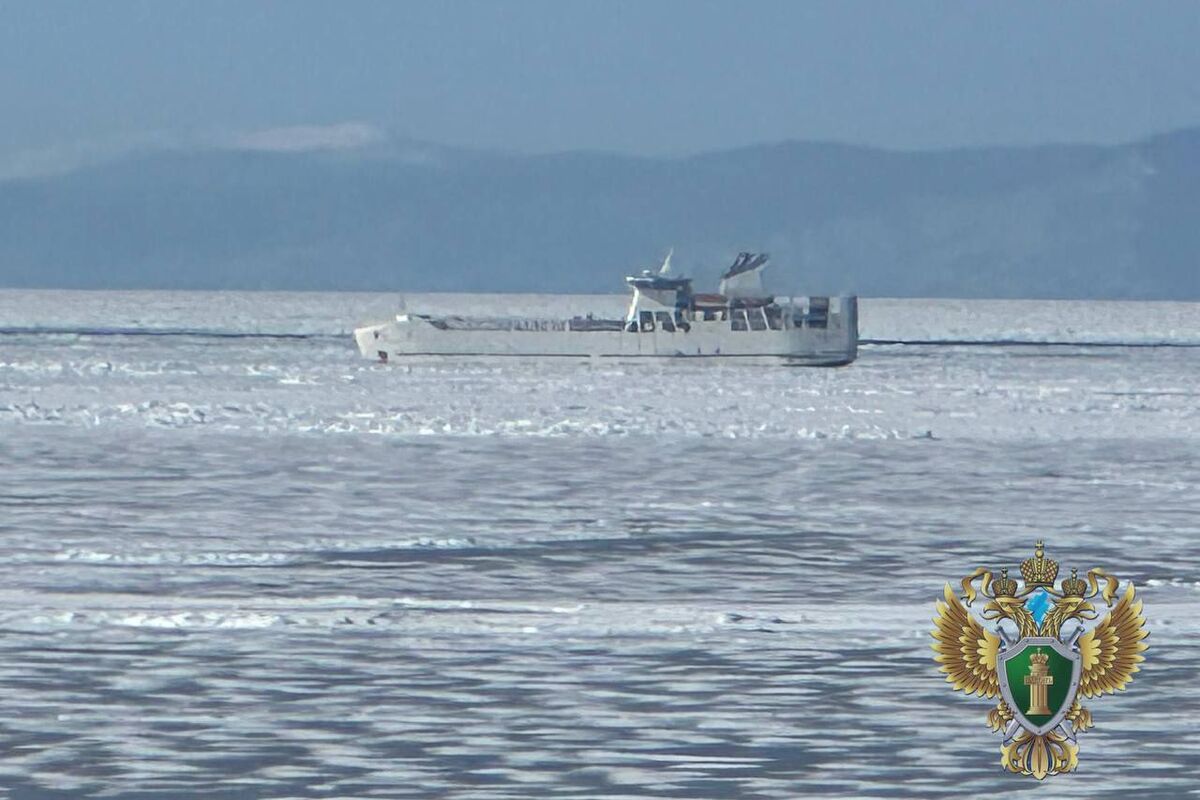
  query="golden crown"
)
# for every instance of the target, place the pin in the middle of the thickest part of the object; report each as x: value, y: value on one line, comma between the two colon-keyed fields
x: 1004, y: 586
x: 1074, y: 586
x: 1038, y: 658
x: 1039, y: 570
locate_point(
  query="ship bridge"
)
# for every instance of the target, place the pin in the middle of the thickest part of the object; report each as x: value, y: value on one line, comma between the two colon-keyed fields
x: 665, y: 302
x: 658, y: 297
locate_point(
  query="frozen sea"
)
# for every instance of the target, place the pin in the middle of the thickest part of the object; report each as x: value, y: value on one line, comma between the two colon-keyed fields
x: 237, y: 561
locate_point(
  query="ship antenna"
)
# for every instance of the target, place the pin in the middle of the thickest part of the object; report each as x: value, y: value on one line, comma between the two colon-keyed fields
x: 665, y: 269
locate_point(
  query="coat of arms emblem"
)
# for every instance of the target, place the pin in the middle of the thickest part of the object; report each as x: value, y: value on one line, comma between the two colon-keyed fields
x: 1037, y: 649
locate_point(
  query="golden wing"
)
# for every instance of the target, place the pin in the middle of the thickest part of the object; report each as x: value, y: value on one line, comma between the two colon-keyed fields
x: 965, y: 650
x: 1111, y: 651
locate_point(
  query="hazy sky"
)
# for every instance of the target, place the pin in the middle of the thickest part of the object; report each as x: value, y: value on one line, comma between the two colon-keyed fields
x: 644, y: 77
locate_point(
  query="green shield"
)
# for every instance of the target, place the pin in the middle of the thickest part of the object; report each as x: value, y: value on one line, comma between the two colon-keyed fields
x: 1039, y: 676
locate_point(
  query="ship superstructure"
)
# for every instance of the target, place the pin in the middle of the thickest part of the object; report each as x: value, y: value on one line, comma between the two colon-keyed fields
x: 665, y: 318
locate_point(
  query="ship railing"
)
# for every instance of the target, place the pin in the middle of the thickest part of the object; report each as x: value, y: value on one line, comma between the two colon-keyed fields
x: 457, y: 323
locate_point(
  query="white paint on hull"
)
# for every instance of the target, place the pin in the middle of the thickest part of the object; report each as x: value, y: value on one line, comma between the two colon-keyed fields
x: 411, y: 335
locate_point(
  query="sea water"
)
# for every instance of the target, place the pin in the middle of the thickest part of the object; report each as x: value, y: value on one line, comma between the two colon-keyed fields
x: 239, y: 561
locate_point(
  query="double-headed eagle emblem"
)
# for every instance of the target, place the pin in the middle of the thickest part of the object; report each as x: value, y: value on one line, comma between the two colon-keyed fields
x: 1035, y: 650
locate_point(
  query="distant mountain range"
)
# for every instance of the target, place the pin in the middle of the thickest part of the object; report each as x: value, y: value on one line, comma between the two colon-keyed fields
x: 1056, y: 221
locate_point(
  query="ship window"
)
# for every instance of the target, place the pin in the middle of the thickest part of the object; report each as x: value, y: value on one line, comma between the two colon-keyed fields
x: 664, y: 318
x: 818, y: 312
x: 647, y: 320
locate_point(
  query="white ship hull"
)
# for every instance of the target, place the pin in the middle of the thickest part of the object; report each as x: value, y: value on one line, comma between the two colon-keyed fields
x: 834, y: 344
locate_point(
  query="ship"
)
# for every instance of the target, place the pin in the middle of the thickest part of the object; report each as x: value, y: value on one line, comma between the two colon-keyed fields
x: 665, y: 319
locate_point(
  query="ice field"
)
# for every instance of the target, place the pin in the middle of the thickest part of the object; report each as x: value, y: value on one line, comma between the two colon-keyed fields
x: 238, y: 561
